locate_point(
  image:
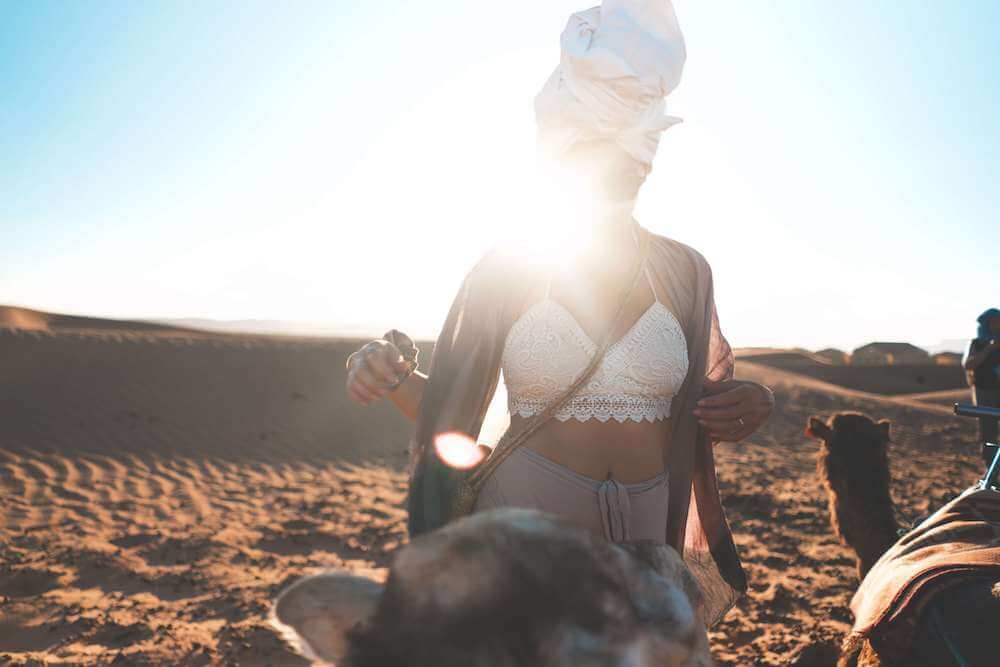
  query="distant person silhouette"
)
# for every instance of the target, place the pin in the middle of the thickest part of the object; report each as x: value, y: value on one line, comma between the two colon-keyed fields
x: 982, y: 361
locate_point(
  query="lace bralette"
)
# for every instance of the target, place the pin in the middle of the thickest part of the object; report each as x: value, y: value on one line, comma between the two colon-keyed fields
x: 546, y: 349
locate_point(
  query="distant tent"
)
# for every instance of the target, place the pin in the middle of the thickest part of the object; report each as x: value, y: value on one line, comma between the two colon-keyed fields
x: 889, y: 354
x: 834, y: 356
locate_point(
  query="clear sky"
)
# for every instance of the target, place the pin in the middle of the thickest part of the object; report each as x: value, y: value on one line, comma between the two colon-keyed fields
x: 838, y: 164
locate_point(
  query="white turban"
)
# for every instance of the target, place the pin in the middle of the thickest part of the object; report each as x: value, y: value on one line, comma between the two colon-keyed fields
x: 618, y: 63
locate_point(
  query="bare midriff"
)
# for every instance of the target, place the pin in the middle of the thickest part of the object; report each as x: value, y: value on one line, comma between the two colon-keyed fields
x: 628, y: 451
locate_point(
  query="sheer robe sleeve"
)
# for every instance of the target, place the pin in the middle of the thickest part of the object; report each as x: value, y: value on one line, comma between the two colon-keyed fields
x: 721, y: 363
x: 696, y: 522
x: 462, y: 377
x: 709, y: 549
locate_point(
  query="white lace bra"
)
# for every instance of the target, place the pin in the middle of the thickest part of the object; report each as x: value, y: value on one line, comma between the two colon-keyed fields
x: 546, y: 349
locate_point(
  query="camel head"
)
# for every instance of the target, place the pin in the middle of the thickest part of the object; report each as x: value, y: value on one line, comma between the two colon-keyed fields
x: 855, y: 448
x: 853, y: 465
x: 504, y: 588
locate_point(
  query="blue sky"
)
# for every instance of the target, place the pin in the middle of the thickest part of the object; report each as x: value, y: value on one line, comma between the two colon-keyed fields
x: 837, y: 164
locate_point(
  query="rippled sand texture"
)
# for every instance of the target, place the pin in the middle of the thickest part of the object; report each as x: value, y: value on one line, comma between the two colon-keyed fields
x: 157, y: 488
x: 156, y: 491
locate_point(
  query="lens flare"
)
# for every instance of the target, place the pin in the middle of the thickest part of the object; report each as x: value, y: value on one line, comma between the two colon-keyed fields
x: 570, y: 200
x: 458, y: 450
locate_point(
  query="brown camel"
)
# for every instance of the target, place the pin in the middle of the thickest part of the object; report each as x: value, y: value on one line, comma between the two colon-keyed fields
x: 504, y: 588
x: 853, y: 464
x: 854, y: 467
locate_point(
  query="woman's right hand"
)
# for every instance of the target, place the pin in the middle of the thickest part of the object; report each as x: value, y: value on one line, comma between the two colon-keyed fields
x: 374, y: 370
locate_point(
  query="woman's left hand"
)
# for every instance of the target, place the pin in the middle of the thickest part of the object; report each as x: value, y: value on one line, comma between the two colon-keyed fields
x: 733, y: 409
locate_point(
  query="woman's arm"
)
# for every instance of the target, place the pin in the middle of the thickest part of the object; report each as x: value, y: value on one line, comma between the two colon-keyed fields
x: 975, y: 358
x: 408, y: 395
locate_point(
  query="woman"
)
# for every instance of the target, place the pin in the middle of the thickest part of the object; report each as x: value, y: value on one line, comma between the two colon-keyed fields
x: 982, y: 362
x: 630, y: 457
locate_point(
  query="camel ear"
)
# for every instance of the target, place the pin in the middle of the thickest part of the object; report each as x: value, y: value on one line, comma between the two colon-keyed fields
x: 884, y: 428
x: 817, y: 428
x: 315, y: 613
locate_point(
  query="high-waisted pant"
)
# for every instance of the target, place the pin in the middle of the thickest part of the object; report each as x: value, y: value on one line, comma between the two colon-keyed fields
x: 618, y: 512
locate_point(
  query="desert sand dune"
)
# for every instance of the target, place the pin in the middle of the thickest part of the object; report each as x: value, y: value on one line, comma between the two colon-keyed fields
x: 948, y: 397
x: 15, y: 317
x: 157, y: 490
x: 888, y: 380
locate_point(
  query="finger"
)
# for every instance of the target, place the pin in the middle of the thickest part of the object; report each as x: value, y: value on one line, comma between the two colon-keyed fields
x: 359, y: 394
x: 368, y: 380
x: 749, y: 425
x: 360, y: 400
x: 716, y: 386
x: 734, y: 430
x: 727, y: 426
x: 378, y: 365
x: 730, y: 397
x: 359, y: 356
x: 722, y: 413
x: 358, y: 387
x: 394, y: 357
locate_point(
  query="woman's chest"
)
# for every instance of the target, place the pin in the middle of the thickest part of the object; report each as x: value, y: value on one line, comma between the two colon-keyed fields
x: 546, y: 349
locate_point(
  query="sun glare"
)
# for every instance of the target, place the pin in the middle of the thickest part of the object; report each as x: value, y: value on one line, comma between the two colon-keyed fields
x: 458, y: 450
x: 451, y: 179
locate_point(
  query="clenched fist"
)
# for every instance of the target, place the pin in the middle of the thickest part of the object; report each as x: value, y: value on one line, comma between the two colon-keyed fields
x: 375, y: 370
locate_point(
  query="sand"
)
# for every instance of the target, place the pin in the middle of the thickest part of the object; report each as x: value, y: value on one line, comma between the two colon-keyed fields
x: 158, y: 486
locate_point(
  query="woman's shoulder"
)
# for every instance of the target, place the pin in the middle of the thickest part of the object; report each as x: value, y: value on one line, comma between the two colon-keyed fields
x: 664, y: 248
x: 510, y: 255
x: 506, y: 265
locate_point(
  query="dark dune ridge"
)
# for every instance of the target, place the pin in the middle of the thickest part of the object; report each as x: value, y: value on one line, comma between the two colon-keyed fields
x: 15, y: 317
x: 157, y: 490
x: 888, y: 380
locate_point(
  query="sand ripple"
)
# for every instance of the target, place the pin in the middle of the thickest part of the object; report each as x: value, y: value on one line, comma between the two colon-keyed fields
x: 156, y: 492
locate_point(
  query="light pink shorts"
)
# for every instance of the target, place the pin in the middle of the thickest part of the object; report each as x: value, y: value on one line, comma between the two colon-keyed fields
x: 618, y: 512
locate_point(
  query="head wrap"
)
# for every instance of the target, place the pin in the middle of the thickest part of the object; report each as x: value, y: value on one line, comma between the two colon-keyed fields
x: 983, y: 320
x: 618, y: 63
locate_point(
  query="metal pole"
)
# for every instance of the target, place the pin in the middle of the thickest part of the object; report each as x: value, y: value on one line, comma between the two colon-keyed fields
x: 990, y: 480
x: 966, y: 410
